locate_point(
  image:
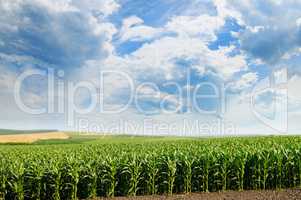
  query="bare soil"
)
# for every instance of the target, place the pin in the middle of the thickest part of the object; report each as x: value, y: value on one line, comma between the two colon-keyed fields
x: 230, y: 195
x: 30, y: 138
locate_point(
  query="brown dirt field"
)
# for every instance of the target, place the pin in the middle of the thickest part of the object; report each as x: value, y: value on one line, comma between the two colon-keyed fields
x: 30, y: 138
x: 230, y: 195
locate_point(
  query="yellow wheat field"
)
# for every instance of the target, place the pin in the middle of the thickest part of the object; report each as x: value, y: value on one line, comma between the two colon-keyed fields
x: 30, y: 138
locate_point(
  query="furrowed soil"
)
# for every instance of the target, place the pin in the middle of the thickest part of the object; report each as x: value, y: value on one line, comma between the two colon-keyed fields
x: 230, y: 195
x: 30, y: 138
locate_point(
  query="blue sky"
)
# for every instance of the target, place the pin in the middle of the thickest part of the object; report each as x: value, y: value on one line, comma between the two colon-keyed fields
x: 168, y: 49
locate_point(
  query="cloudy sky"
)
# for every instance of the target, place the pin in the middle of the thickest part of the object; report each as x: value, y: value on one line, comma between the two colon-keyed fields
x: 220, y: 63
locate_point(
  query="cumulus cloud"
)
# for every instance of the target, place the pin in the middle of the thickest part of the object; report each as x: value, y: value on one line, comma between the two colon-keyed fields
x: 103, y: 8
x: 202, y: 26
x: 167, y: 53
x: 269, y: 34
x: 61, y: 33
x: 182, y: 38
x: 134, y: 30
x: 245, y: 82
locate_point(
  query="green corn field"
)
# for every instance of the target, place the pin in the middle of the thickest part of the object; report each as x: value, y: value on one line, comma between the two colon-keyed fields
x: 130, y: 167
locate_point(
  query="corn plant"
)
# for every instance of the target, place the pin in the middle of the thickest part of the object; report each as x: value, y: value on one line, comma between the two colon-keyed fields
x: 152, y: 170
x: 171, y: 168
x: 3, y: 178
x: 134, y: 170
x: 130, y: 167
x: 15, y: 181
x: 110, y: 176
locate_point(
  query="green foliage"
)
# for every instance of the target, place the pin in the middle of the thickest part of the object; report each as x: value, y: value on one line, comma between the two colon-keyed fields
x: 133, y: 167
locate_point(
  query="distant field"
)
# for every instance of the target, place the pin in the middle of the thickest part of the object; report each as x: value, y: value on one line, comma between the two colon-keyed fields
x: 14, y: 132
x: 52, y: 137
x: 31, y: 137
x: 77, y: 138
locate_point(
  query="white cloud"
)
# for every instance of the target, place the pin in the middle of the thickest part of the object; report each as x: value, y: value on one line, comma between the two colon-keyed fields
x: 265, y: 24
x: 7, y: 79
x: 163, y: 53
x: 255, y: 29
x: 298, y: 22
x: 193, y: 33
x: 244, y: 82
x: 224, y: 10
x: 104, y: 7
x: 76, y: 30
x: 294, y: 87
x: 203, y: 26
x: 134, y: 30
x: 57, y: 5
x: 225, y: 64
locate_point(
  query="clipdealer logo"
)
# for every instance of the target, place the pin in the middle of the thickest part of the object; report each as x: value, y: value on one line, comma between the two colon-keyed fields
x: 277, y: 89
